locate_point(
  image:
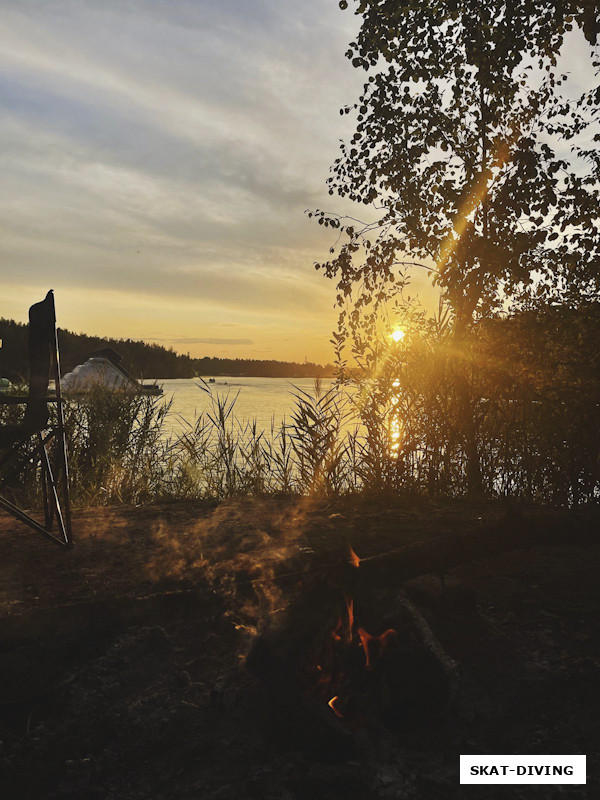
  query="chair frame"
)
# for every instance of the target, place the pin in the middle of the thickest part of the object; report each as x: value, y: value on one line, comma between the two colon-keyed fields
x: 55, y: 481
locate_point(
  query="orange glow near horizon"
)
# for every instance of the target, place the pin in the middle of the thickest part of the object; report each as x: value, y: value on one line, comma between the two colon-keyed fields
x: 191, y: 324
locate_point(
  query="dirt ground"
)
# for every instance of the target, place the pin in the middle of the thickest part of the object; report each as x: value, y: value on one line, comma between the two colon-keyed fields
x: 122, y: 660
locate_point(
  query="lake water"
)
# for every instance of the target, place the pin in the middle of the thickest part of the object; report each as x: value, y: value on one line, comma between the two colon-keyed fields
x: 262, y: 399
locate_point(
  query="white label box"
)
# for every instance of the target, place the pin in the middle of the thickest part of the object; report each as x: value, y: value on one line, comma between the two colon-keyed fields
x: 534, y: 769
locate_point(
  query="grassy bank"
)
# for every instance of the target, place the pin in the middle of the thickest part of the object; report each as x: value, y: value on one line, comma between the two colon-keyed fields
x: 401, y: 432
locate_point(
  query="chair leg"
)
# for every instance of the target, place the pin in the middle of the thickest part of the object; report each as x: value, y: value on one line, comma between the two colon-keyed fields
x: 55, y: 485
x: 48, y: 507
x: 54, y: 497
x: 62, y: 461
x: 23, y: 517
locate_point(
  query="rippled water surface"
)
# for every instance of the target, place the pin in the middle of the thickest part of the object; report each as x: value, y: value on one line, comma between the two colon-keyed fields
x: 262, y: 399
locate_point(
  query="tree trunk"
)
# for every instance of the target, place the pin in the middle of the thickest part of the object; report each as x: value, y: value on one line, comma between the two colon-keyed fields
x: 466, y: 409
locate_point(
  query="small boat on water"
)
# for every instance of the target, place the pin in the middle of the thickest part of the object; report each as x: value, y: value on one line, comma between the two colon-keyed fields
x: 103, y: 368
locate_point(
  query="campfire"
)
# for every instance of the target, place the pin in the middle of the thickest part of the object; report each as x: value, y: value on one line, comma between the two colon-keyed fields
x: 349, y: 651
x: 347, y: 656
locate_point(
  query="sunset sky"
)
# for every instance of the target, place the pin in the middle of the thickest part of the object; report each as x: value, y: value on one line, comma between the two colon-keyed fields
x: 157, y: 158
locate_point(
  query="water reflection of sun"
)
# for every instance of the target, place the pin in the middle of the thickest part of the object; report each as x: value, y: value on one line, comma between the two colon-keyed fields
x: 395, y: 421
x: 396, y: 426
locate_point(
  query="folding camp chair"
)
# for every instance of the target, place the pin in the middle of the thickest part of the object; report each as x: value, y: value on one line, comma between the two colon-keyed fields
x: 48, y: 438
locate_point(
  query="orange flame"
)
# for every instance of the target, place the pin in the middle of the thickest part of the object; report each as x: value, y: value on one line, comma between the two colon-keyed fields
x: 335, y: 633
x: 374, y: 646
x: 354, y: 559
x: 331, y: 705
x: 350, y: 609
x: 324, y: 674
x: 365, y: 639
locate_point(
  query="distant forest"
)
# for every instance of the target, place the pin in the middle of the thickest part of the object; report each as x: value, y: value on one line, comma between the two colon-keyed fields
x: 143, y: 360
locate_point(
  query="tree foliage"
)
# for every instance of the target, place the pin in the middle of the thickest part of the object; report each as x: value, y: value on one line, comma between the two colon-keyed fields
x: 478, y: 164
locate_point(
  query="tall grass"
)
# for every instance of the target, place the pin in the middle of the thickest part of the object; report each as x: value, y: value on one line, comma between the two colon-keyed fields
x: 398, y: 429
x: 531, y: 419
x: 117, y: 450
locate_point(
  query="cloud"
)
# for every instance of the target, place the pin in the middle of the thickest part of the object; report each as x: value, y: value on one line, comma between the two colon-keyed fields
x: 168, y: 148
x: 192, y: 340
x: 171, y: 149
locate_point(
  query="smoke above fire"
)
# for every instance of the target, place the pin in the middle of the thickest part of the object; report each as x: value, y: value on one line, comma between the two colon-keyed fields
x: 249, y: 552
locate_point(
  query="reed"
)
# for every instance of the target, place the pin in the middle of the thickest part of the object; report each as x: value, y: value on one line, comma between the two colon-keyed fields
x: 395, y: 428
x: 117, y: 450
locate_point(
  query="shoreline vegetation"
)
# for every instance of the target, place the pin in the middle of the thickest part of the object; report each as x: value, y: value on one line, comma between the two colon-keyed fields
x: 146, y: 361
x: 395, y: 430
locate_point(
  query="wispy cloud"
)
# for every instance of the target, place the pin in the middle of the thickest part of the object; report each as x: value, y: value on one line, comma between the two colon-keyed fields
x: 159, y: 156
x: 210, y: 340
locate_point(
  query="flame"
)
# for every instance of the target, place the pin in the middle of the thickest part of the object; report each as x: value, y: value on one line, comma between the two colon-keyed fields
x: 344, y: 631
x: 324, y: 674
x: 331, y: 705
x: 374, y: 646
x: 365, y: 638
x: 350, y: 609
x: 335, y: 633
x: 354, y: 559
x: 330, y: 667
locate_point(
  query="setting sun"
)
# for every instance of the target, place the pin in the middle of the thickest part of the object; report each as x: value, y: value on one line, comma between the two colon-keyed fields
x: 398, y: 335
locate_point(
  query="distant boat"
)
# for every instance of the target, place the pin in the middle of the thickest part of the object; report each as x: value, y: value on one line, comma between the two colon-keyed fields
x: 211, y: 380
x: 103, y: 368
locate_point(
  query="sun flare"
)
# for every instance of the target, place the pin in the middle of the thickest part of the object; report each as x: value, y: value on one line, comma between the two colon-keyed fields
x: 398, y: 334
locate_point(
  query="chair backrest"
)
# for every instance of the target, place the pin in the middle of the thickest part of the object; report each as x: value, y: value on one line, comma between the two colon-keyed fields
x: 42, y: 356
x: 51, y: 443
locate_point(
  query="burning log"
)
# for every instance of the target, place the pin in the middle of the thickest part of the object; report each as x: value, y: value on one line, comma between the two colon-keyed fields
x: 333, y: 651
x: 278, y: 658
x: 517, y: 531
x: 352, y: 650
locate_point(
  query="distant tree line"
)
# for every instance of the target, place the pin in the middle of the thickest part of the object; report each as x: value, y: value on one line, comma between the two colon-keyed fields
x: 262, y: 369
x: 142, y: 360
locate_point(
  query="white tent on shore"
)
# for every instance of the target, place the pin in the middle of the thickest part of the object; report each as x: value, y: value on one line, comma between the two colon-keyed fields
x: 95, y: 372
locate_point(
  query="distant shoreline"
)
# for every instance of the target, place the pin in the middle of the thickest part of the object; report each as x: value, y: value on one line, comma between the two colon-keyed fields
x: 206, y: 378
x: 140, y: 358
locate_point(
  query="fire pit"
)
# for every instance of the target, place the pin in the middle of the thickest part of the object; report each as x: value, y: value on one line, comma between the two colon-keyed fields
x: 346, y: 657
